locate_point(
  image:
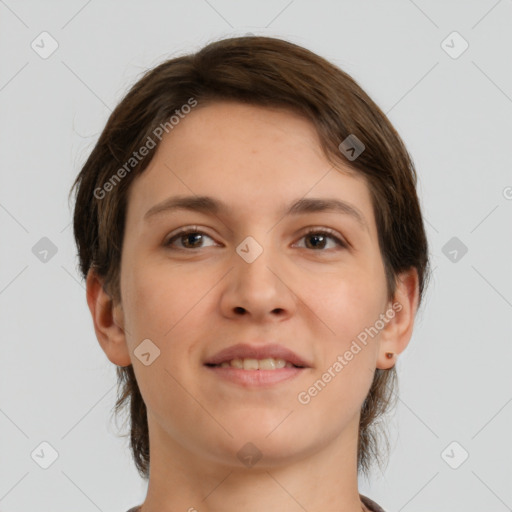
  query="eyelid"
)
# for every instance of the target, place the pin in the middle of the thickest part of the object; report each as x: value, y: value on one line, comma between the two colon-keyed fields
x: 340, y: 240
x: 184, y: 230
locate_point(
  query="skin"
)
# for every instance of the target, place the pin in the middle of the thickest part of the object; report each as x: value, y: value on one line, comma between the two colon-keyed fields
x: 314, y: 300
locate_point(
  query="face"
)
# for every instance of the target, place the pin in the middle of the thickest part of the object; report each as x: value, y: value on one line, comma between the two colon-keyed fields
x: 252, y: 273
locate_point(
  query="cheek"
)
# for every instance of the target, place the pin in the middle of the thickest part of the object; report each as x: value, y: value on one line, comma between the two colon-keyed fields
x: 348, y: 303
x: 162, y: 304
x: 171, y: 305
x: 347, y: 353
x: 162, y: 299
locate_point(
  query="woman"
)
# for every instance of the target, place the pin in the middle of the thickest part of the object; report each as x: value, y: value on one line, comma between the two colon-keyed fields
x: 254, y: 255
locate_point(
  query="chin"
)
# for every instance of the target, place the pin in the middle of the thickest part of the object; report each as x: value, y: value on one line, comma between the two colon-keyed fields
x: 270, y: 445
x: 262, y: 454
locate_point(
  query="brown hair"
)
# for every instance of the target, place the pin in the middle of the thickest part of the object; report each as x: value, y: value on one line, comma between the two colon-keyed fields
x: 261, y: 71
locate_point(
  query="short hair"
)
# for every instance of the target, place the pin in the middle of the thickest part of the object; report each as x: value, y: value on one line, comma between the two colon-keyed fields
x: 268, y: 72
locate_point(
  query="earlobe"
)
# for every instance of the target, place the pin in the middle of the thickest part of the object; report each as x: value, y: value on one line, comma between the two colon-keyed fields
x: 108, y: 321
x: 397, y: 333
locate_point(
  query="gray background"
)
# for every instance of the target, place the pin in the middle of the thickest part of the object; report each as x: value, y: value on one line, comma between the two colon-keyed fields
x: 454, y: 114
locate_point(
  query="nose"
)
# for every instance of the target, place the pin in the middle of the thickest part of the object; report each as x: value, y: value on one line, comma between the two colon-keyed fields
x: 258, y: 288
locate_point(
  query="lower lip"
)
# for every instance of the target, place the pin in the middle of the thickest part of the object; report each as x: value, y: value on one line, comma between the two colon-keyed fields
x: 255, y: 378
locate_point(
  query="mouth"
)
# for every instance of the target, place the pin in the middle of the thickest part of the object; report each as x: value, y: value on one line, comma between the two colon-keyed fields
x: 253, y: 377
x: 256, y: 356
x: 256, y: 365
x: 252, y: 364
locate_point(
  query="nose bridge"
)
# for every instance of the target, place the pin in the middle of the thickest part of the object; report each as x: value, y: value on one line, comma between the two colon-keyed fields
x: 254, y: 259
x: 250, y: 249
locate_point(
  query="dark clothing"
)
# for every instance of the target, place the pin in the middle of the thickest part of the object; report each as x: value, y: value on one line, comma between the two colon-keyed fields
x: 370, y: 504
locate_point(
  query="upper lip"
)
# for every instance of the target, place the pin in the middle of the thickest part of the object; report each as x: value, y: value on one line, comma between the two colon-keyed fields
x: 246, y: 351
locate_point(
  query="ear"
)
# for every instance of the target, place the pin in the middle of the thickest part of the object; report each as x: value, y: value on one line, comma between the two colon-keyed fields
x: 398, y: 331
x: 108, y: 321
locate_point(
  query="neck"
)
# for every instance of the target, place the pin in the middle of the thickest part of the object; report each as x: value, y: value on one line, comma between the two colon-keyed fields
x: 181, y: 479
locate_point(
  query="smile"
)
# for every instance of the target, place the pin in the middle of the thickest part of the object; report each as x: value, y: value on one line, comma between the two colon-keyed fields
x: 254, y: 377
x: 268, y: 363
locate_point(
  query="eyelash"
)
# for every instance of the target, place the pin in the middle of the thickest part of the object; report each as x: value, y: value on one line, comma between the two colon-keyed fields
x: 316, y: 231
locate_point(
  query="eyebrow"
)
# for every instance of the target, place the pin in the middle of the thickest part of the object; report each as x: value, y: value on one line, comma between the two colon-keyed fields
x: 210, y: 205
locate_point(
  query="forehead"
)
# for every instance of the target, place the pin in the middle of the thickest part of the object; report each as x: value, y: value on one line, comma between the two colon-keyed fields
x: 253, y: 158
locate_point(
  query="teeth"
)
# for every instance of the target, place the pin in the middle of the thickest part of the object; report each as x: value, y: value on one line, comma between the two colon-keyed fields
x: 257, y: 364
x: 250, y: 364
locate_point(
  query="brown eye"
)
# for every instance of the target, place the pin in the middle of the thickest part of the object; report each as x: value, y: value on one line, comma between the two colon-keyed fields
x: 189, y: 238
x: 320, y: 237
x: 192, y: 238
